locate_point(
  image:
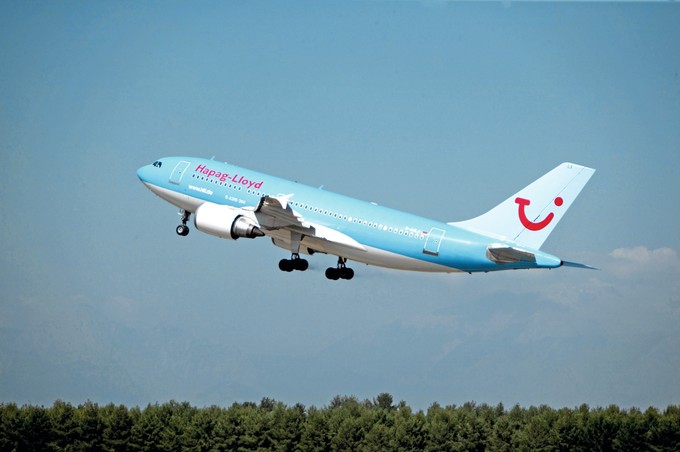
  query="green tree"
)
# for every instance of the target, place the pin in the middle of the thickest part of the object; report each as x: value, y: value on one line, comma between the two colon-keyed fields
x: 147, y: 429
x: 570, y: 434
x: 176, y: 419
x: 201, y: 432
x: 315, y: 435
x: 502, y: 433
x: 601, y: 429
x: 287, y: 426
x: 384, y: 401
x: 537, y: 431
x: 37, y: 428
x: 667, y: 436
x: 65, y: 427
x: 90, y: 427
x: 377, y: 438
x: 345, y: 424
x: 410, y: 430
x: 117, y: 428
x: 440, y: 437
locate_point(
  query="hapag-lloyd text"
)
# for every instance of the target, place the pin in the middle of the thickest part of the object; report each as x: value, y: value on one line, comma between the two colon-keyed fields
x: 223, y: 177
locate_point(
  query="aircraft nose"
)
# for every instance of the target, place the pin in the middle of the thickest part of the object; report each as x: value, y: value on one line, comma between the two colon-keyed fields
x: 143, y: 173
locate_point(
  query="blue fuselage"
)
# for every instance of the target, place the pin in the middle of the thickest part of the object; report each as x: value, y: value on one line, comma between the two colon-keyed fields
x: 392, y: 238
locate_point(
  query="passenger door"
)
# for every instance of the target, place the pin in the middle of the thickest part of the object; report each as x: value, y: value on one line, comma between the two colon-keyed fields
x: 178, y: 172
x: 433, y: 242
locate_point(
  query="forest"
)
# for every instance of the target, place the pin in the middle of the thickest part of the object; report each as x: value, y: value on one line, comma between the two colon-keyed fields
x: 346, y: 423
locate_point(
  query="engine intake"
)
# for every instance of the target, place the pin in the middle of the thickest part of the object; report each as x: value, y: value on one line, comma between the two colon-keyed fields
x: 225, y: 222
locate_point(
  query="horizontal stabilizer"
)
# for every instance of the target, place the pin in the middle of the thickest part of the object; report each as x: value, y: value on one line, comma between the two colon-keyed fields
x: 577, y: 265
x: 502, y: 254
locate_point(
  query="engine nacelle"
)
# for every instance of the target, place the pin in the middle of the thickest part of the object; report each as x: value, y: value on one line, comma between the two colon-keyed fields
x: 225, y: 222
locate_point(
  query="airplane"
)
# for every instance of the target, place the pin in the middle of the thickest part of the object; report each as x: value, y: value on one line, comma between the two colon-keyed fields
x: 231, y: 202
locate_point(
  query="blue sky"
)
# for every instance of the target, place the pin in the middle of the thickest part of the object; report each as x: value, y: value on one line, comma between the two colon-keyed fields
x: 440, y: 108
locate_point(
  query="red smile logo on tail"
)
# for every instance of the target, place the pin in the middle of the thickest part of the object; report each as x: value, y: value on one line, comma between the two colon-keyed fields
x: 527, y: 223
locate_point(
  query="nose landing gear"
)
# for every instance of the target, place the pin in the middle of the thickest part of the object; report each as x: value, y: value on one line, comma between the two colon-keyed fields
x: 340, y: 272
x: 183, y: 229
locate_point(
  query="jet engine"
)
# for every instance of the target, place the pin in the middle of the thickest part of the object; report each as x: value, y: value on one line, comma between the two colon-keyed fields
x: 225, y: 222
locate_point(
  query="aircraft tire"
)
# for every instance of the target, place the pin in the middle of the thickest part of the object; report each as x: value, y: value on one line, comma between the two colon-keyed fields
x: 300, y: 264
x: 182, y: 230
x: 286, y: 265
x: 332, y: 273
x: 346, y: 273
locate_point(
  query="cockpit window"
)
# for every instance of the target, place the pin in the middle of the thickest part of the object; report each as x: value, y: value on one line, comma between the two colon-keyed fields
x: 157, y: 163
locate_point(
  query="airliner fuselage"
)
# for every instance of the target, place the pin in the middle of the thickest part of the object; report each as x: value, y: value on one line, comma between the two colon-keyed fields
x: 233, y: 202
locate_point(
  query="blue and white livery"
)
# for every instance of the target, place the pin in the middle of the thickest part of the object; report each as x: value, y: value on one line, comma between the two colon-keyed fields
x: 233, y: 202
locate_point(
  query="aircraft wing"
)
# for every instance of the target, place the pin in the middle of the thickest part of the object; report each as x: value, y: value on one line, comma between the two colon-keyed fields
x: 276, y: 213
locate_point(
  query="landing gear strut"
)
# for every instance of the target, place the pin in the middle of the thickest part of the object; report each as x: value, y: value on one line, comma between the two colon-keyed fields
x: 183, y: 229
x: 340, y: 272
x: 294, y: 263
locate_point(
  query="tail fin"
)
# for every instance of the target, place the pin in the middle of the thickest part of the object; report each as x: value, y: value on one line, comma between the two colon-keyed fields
x: 529, y: 216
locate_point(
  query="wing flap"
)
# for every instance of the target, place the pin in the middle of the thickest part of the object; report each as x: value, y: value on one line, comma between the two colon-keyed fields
x: 276, y: 213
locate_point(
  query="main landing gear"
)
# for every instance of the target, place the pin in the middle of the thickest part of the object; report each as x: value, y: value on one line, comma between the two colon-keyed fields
x: 294, y: 263
x: 297, y: 263
x: 183, y: 229
x: 340, y: 272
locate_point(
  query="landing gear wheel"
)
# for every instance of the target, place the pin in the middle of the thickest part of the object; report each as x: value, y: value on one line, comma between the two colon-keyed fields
x: 286, y: 265
x: 294, y: 263
x: 346, y: 273
x: 182, y: 230
x: 332, y: 273
x: 340, y: 272
x: 300, y: 264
